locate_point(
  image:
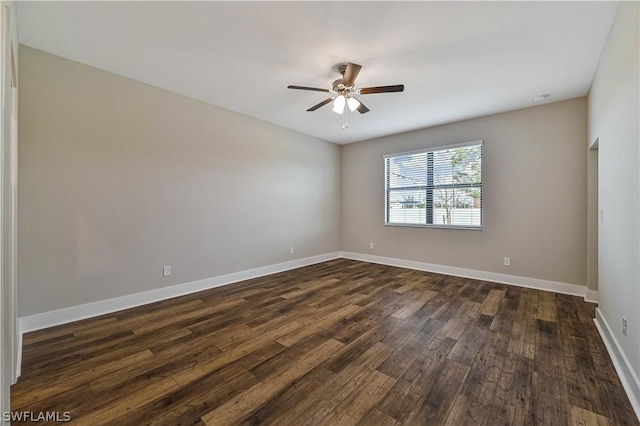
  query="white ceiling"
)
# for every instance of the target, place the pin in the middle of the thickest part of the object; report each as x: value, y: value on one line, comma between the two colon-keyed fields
x: 457, y: 60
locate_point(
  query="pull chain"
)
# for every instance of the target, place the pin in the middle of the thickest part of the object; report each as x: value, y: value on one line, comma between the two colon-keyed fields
x: 345, y: 123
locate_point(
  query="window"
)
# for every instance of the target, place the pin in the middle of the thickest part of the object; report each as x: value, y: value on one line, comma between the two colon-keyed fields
x: 439, y: 187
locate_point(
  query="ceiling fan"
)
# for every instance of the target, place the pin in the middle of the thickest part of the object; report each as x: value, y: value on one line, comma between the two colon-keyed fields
x: 344, y: 92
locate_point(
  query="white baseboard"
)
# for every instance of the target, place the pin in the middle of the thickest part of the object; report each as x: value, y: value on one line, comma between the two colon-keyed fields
x: 554, y: 286
x: 19, y: 355
x: 80, y: 312
x: 591, y: 296
x: 624, y: 369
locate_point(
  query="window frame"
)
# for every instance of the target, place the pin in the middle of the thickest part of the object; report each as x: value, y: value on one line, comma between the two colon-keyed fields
x: 428, y: 150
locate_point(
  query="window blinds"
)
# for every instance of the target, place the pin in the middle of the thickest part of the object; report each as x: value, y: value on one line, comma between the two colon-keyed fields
x: 439, y: 187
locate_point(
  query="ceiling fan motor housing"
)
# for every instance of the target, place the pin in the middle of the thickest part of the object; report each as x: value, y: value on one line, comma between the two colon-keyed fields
x: 338, y: 86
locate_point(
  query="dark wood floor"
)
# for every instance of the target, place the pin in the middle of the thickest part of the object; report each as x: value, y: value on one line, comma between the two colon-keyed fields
x: 338, y: 343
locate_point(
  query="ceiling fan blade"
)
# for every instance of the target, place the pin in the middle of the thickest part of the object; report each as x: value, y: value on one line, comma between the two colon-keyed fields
x: 350, y: 74
x: 382, y: 89
x: 362, y: 108
x: 321, y: 104
x: 315, y: 89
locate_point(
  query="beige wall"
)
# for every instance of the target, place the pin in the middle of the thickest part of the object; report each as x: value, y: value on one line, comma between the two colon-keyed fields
x: 118, y: 178
x: 614, y: 108
x: 534, y: 196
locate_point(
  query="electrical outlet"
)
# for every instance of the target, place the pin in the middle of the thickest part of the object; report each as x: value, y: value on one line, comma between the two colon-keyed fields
x: 166, y: 271
x: 371, y: 246
x: 291, y: 250
x: 507, y: 261
x: 624, y: 326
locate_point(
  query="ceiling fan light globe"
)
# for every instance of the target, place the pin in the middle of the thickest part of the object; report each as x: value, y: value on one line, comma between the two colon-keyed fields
x: 338, y: 104
x: 353, y: 104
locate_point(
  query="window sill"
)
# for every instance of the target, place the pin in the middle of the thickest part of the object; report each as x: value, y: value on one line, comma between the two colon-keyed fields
x: 419, y: 225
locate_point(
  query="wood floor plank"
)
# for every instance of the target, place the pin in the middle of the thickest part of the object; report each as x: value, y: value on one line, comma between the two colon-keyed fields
x: 547, y: 307
x: 410, y: 309
x: 582, y: 417
x: 160, y: 365
x: 523, y: 339
x: 457, y: 325
x: 505, y: 317
x: 491, y: 304
x: 514, y: 392
x: 341, y: 342
x: 396, y: 365
x: 353, y: 350
x: 30, y: 339
x: 122, y: 406
x: 438, y: 391
x: 73, y: 356
x: 289, y: 398
x: 583, y: 389
x: 171, y: 321
x: 204, y: 368
x: 405, y: 395
x: 475, y: 401
x: 318, y: 325
x: 283, y: 360
x: 255, y: 396
x: 551, y: 391
x: 378, y: 418
x: 325, y: 398
x: 186, y: 405
x: 309, y: 287
x: 468, y: 345
x: 354, y: 407
x: 25, y: 395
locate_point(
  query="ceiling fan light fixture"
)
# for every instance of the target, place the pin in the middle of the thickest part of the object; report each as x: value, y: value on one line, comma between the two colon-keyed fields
x: 338, y: 104
x: 353, y: 104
